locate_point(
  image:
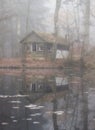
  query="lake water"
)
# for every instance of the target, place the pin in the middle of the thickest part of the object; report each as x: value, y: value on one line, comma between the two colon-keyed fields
x: 47, y: 100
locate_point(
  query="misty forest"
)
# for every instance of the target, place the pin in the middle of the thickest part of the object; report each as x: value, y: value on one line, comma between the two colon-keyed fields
x: 47, y: 65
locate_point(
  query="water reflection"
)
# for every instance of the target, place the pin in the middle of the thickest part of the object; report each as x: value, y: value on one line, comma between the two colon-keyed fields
x: 47, y: 100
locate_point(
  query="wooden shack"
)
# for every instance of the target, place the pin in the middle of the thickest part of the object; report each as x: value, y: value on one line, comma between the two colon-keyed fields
x: 41, y: 50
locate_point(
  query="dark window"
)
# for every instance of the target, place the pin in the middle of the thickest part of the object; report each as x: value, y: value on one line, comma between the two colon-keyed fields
x: 34, y: 47
x: 49, y: 47
x: 33, y: 87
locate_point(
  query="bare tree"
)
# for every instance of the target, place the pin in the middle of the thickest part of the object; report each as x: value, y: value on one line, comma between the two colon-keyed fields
x: 86, y: 32
x: 56, y: 14
x: 86, y: 23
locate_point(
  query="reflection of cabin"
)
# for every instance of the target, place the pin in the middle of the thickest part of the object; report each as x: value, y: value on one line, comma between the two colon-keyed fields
x: 47, y: 85
x: 42, y: 46
x: 38, y: 87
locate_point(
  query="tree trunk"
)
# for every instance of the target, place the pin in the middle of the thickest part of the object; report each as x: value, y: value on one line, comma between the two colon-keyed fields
x: 58, y: 4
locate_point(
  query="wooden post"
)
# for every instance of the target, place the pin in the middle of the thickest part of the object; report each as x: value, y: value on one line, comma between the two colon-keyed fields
x: 23, y: 56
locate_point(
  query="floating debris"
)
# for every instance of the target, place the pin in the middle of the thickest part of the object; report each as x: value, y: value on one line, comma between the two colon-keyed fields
x: 18, y: 102
x: 36, y: 122
x: 29, y: 119
x: 15, y: 107
x: 37, y: 107
x: 31, y: 106
x: 12, y: 117
x: 14, y: 121
x: 36, y: 114
x: 3, y: 96
x: 21, y: 95
x: 56, y: 112
x: 12, y: 96
x: 59, y: 112
x: 4, y: 123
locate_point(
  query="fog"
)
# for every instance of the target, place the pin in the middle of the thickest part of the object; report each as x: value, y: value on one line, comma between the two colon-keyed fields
x: 19, y: 17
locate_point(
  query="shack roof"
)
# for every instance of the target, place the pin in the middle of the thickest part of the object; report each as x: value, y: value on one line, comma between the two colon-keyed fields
x: 43, y: 37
